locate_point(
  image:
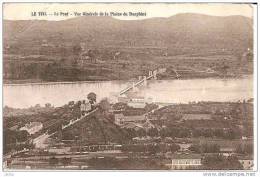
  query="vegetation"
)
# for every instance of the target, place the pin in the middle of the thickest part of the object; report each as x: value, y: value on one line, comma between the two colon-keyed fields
x: 125, y: 164
x: 53, y: 161
x: 57, y: 56
x: 151, y: 148
x: 219, y: 162
x: 205, y: 148
x: 245, y: 149
x: 15, y: 140
x: 92, y: 97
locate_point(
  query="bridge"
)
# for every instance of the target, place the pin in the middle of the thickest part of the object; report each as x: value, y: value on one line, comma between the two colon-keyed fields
x: 152, y: 74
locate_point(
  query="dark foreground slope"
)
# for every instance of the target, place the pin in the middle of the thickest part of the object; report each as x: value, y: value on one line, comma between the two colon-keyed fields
x: 96, y: 129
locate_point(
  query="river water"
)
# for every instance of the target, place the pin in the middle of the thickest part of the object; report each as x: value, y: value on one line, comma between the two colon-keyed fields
x: 166, y: 91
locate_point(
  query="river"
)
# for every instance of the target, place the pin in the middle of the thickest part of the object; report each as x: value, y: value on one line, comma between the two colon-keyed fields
x: 166, y: 91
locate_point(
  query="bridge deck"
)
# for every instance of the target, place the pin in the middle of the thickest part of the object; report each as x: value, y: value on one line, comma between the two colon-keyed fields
x: 135, y: 84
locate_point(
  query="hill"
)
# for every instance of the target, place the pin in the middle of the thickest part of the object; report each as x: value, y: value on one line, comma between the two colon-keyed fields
x: 187, y: 30
x: 52, y: 50
x: 96, y: 129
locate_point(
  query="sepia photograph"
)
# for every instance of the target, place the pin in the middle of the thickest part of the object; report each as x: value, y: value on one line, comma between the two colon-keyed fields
x: 129, y: 86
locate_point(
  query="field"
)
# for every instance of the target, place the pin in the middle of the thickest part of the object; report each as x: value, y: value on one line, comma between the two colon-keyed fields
x: 130, y: 63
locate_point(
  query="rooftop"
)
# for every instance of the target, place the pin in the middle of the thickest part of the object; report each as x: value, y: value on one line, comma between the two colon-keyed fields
x: 246, y: 157
x: 196, y: 117
x: 32, y: 124
x: 185, y: 156
x: 130, y: 118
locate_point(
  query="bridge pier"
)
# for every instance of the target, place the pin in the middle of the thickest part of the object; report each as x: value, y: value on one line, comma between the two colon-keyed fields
x: 145, y: 81
x: 155, y: 74
x: 134, y: 87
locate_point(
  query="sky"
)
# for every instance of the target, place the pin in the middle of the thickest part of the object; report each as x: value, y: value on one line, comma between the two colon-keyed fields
x: 24, y: 11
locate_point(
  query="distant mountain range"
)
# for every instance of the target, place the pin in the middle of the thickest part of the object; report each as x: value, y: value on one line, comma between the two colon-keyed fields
x: 191, y: 31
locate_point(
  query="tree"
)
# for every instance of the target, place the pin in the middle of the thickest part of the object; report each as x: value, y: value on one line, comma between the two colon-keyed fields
x: 141, y: 132
x: 22, y: 135
x: 195, y: 148
x: 208, y: 132
x: 174, y: 147
x: 92, y: 97
x: 104, y: 105
x: 53, y: 161
x: 245, y: 148
x: 232, y: 134
x: 65, y: 161
x: 219, y: 162
x: 131, y: 133
x: 77, y: 49
x: 47, y: 105
x: 210, y: 148
x: 152, y: 132
x: 153, y: 149
x: 119, y: 106
x: 165, y: 132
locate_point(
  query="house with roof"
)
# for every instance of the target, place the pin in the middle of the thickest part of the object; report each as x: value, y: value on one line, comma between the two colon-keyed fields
x: 246, y: 161
x: 183, y: 161
x: 121, y: 118
x: 32, y: 127
x: 123, y: 98
x: 148, y: 125
x: 184, y: 146
x: 132, y: 125
x: 226, y: 151
x: 196, y: 117
x: 137, y: 102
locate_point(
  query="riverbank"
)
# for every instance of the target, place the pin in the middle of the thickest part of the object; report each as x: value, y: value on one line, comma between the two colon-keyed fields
x: 41, y: 82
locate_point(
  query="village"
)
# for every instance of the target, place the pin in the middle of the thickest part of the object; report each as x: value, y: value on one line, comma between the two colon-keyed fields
x: 87, y: 134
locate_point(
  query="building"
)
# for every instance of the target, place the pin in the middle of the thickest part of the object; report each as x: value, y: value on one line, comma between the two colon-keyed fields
x: 184, y: 161
x: 225, y: 149
x: 87, y: 57
x: 85, y: 107
x: 196, y: 117
x: 132, y: 125
x: 145, y: 139
x: 59, y: 150
x: 119, y: 119
x: 247, y: 162
x: 15, y: 127
x: 32, y: 127
x: 184, y: 146
x: 134, y: 122
x: 123, y: 98
x: 162, y: 70
x: 122, y: 119
x: 148, y: 125
x: 137, y: 102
